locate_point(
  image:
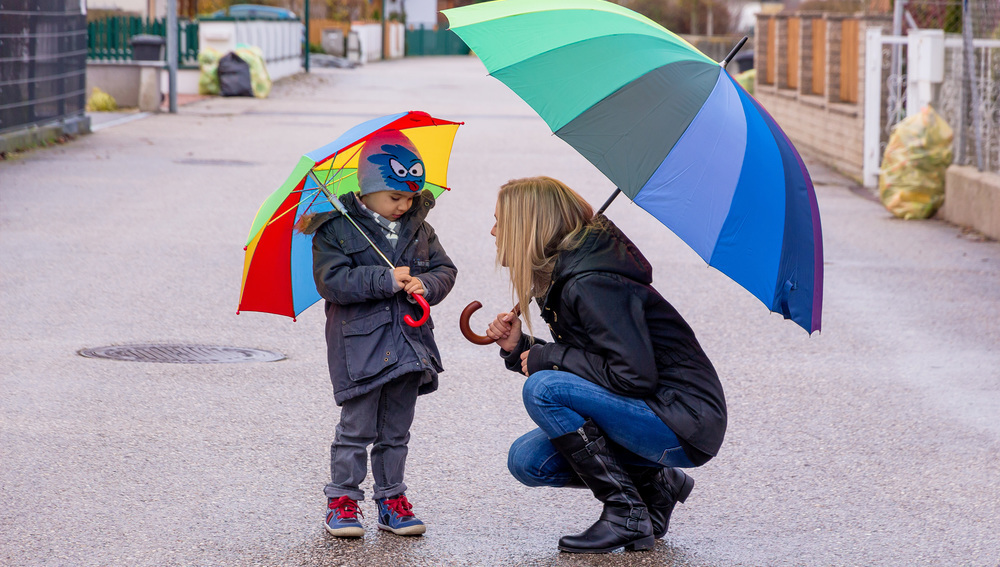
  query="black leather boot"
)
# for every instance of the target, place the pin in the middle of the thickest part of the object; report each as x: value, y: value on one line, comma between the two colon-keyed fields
x: 625, y: 520
x: 661, y: 489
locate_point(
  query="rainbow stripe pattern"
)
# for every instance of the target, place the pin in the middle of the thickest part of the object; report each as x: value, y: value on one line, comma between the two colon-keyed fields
x: 669, y: 127
x: 277, y: 266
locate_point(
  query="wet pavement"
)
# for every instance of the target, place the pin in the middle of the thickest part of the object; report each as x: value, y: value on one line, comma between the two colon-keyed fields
x: 875, y: 442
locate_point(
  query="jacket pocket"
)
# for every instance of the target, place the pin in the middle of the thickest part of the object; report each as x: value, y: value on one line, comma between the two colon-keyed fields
x: 354, y: 243
x: 369, y: 345
x: 666, y: 396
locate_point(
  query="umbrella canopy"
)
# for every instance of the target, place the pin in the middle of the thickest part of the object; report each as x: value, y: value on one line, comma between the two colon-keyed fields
x: 277, y: 267
x: 670, y: 128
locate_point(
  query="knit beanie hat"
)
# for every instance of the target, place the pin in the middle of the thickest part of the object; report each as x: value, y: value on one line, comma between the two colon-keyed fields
x: 390, y: 162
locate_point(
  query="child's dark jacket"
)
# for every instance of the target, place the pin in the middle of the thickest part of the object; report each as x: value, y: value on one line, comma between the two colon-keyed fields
x: 368, y: 344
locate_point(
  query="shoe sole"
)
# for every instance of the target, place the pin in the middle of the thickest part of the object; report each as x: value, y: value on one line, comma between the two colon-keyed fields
x: 346, y: 532
x: 642, y: 544
x: 407, y: 531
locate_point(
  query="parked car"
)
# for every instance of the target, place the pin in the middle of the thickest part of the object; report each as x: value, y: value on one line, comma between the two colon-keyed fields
x: 253, y: 12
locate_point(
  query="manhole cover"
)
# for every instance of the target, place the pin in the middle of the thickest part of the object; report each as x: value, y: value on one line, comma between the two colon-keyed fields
x: 182, y: 354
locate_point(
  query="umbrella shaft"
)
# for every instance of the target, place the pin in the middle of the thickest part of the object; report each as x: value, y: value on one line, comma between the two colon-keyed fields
x: 733, y: 52
x: 340, y: 208
x: 608, y: 202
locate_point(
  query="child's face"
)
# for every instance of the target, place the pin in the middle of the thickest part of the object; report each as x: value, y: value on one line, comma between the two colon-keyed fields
x: 389, y: 204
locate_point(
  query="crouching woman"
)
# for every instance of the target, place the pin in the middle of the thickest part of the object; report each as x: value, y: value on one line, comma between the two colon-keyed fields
x: 623, y: 394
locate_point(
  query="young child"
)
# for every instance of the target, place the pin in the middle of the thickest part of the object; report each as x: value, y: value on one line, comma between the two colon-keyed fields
x: 378, y: 364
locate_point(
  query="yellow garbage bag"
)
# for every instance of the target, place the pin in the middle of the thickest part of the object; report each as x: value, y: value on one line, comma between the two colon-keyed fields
x: 208, y: 65
x: 911, y: 184
x: 260, y: 80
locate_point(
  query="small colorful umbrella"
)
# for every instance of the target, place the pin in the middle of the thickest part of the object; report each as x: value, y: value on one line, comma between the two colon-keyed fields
x: 277, y: 268
x: 671, y: 129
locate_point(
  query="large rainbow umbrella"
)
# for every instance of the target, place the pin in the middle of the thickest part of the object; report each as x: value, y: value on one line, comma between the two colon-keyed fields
x: 671, y: 129
x: 277, y: 267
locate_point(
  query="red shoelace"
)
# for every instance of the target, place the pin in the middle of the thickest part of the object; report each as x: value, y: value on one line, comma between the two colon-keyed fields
x: 400, y: 505
x: 346, y: 508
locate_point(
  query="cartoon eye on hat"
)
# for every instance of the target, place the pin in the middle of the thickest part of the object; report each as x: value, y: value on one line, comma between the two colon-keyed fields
x: 390, y: 162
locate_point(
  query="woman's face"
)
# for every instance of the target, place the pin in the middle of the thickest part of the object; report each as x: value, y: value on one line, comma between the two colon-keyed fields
x: 493, y: 231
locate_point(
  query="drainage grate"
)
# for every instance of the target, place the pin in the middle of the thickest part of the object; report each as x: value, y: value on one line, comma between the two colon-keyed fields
x: 182, y: 354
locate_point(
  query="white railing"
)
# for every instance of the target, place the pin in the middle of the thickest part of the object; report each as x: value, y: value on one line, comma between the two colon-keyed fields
x: 364, y: 42
x: 280, y: 41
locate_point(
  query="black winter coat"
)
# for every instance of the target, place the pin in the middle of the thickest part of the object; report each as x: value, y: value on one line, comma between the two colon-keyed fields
x: 368, y: 344
x: 612, y: 328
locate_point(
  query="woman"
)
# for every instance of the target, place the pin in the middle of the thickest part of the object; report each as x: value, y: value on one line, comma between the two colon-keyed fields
x: 623, y: 395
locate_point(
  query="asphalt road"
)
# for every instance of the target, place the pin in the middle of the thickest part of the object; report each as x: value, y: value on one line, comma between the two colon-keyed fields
x: 874, y: 442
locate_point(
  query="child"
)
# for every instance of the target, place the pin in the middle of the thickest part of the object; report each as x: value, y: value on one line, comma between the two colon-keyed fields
x: 378, y: 364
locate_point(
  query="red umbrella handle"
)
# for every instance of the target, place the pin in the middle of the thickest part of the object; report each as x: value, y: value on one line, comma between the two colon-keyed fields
x: 463, y: 323
x: 423, y: 305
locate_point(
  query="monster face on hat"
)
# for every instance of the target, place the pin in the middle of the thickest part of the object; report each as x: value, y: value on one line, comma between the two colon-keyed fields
x: 390, y: 162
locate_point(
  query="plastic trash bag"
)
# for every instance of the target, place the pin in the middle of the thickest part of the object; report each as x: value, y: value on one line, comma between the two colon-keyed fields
x: 911, y: 184
x: 260, y: 80
x: 234, y: 76
x: 208, y: 65
x: 747, y: 79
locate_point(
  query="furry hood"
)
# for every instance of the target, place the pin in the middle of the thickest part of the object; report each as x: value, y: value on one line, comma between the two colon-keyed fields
x: 311, y: 222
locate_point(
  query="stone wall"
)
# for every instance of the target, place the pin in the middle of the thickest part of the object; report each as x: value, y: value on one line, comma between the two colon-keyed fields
x: 972, y: 199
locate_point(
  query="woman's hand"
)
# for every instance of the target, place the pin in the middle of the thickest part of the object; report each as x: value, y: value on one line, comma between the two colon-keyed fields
x: 506, y: 331
x: 524, y: 362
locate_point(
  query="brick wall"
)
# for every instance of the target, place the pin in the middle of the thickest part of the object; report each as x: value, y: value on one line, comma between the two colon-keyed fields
x: 822, y: 125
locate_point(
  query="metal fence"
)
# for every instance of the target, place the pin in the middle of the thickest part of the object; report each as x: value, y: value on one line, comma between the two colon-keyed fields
x: 944, y: 15
x: 110, y: 39
x: 433, y: 41
x: 969, y: 100
x: 43, y: 48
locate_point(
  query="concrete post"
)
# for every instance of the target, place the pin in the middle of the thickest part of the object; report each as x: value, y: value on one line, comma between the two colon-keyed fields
x: 925, y: 68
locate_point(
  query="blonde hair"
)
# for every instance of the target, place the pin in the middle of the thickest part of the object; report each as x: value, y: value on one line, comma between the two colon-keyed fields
x: 537, y: 217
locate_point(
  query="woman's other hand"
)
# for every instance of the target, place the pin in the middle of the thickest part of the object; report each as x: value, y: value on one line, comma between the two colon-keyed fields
x: 506, y: 331
x: 524, y: 362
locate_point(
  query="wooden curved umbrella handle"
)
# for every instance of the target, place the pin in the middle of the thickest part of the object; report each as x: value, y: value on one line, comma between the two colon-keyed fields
x: 463, y: 323
x: 423, y: 305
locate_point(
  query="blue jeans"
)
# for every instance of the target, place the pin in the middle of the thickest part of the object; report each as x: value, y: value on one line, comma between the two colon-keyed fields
x: 559, y: 402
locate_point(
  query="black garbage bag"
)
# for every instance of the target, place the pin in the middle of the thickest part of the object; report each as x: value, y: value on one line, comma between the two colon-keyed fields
x: 234, y: 76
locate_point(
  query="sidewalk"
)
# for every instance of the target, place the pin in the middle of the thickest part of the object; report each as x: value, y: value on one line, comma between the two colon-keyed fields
x: 874, y: 442
x: 101, y: 120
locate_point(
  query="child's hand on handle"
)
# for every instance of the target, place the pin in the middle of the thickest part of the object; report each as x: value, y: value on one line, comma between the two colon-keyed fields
x: 506, y: 331
x: 402, y: 276
x: 414, y: 286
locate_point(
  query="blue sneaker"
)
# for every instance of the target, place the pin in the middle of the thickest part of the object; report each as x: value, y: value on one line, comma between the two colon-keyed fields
x: 342, y: 517
x: 396, y: 515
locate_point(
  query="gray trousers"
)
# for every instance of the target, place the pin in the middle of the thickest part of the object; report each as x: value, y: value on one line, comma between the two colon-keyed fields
x: 380, y: 418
